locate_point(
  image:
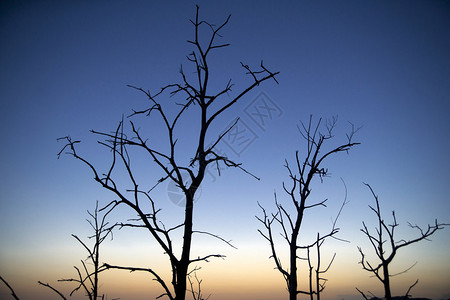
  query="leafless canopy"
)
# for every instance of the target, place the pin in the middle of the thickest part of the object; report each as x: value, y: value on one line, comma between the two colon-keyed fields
x: 196, y: 97
x: 386, y: 247
x: 290, y: 219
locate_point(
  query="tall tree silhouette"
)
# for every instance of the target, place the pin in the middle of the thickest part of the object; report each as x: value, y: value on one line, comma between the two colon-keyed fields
x: 290, y: 219
x: 386, y: 247
x: 207, y: 106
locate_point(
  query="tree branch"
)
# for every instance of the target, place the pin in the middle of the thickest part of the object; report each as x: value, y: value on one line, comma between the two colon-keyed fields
x: 53, y: 289
x: 10, y: 288
x: 157, y: 277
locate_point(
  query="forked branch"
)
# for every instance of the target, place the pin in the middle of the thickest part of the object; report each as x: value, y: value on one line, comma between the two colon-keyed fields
x: 290, y: 220
x: 386, y: 246
x: 197, y: 98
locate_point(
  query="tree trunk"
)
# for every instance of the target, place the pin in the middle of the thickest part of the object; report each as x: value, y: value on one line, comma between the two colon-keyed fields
x: 293, y: 273
x: 183, y: 267
x: 293, y: 263
x: 386, y: 282
x: 182, y: 271
x: 180, y: 291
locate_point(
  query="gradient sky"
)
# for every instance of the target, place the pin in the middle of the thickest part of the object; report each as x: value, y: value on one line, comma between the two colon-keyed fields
x: 383, y: 65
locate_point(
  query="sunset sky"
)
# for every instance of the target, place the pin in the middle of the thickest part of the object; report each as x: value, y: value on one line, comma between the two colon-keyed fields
x: 381, y: 65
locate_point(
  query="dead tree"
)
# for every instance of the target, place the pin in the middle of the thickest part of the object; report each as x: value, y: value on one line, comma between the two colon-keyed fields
x: 291, y: 219
x: 386, y: 247
x: 196, y: 292
x: 208, y: 107
x: 88, y: 277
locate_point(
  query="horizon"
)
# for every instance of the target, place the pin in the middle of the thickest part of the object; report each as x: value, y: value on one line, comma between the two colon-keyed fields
x: 383, y: 67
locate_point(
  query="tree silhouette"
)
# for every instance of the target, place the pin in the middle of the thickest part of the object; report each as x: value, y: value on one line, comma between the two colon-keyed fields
x: 291, y: 219
x: 196, y: 290
x: 196, y: 96
x: 386, y: 247
x: 88, y: 277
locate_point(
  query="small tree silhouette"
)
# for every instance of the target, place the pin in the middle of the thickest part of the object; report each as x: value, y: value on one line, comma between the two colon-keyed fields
x: 196, y: 289
x: 197, y: 98
x: 290, y: 222
x: 88, y: 277
x: 386, y: 247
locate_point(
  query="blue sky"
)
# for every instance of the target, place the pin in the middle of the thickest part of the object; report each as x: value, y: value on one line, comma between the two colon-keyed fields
x: 382, y: 65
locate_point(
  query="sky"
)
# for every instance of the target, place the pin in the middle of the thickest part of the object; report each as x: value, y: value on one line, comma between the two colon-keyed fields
x: 381, y: 65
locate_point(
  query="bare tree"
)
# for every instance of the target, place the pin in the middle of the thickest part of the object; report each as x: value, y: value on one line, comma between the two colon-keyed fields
x: 196, y: 288
x: 207, y: 108
x: 291, y: 220
x: 386, y: 247
x: 88, y: 277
